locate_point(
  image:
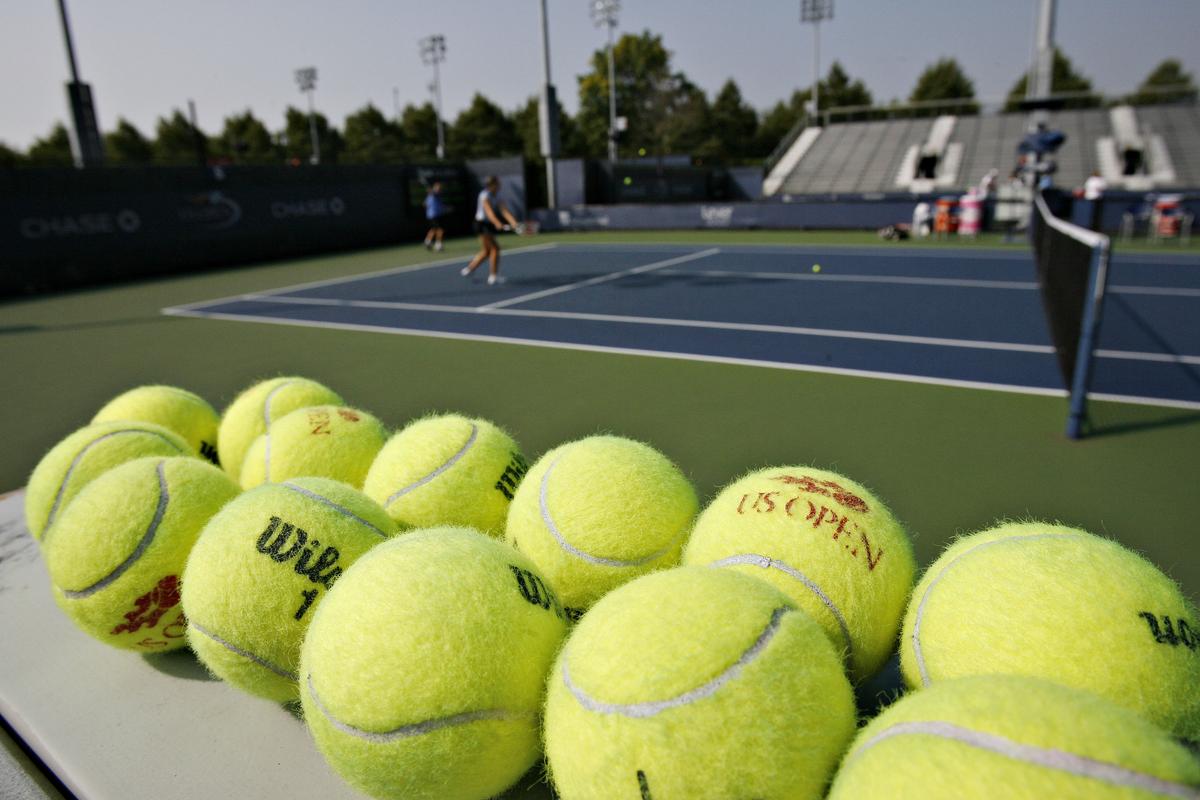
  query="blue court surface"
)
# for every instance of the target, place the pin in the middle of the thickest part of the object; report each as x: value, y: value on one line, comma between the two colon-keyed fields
x: 967, y: 317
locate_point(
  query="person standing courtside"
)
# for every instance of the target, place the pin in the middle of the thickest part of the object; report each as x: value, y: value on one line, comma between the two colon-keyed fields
x: 435, y: 209
x: 489, y: 210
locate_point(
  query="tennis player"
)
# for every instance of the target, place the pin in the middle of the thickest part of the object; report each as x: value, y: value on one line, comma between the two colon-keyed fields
x: 491, y: 216
x: 435, y: 209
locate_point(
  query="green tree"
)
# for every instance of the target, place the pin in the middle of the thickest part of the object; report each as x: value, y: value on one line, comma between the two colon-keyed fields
x: 245, y: 140
x: 1063, y: 79
x: 779, y: 120
x: 642, y: 67
x: 9, y: 157
x: 528, y: 128
x: 127, y: 146
x: 838, y: 91
x: 483, y: 130
x: 945, y: 80
x: 54, y: 150
x: 418, y: 129
x: 298, y: 138
x: 371, y: 138
x: 734, y: 124
x: 177, y: 143
x: 1166, y: 83
x: 682, y: 122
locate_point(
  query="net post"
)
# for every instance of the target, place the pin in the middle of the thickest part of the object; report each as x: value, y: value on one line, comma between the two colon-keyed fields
x: 1088, y: 334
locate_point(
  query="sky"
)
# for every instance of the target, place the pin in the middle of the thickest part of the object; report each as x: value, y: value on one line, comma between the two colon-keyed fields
x: 144, y: 58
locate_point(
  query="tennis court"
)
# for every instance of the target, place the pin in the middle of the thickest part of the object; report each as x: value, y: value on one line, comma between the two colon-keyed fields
x: 948, y: 316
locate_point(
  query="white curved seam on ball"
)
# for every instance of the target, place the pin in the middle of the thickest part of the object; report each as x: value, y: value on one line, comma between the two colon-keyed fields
x: 345, y: 512
x: 267, y: 430
x: 416, y: 728
x: 1049, y: 757
x: 651, y: 708
x: 62, y: 486
x: 454, y: 459
x: 164, y: 497
x: 918, y: 654
x: 233, y: 648
x: 766, y: 562
x: 586, y: 556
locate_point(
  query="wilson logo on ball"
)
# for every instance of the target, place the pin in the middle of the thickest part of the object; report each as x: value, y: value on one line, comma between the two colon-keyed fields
x: 512, y: 475
x: 1174, y: 633
x: 535, y: 591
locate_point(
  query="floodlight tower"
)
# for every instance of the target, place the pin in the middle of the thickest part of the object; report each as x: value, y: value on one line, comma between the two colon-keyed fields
x: 814, y: 12
x: 433, y: 52
x: 86, y: 144
x: 548, y: 116
x: 1040, y: 83
x: 604, y: 14
x: 306, y: 79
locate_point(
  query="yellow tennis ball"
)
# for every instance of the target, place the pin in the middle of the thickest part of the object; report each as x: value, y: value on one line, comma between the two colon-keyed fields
x: 1003, y: 737
x: 252, y: 411
x: 261, y: 568
x: 423, y: 673
x: 827, y: 542
x: 598, y: 512
x: 317, y: 441
x: 696, y: 682
x: 1046, y: 600
x: 447, y: 470
x: 83, y: 456
x: 117, y: 552
x: 179, y: 410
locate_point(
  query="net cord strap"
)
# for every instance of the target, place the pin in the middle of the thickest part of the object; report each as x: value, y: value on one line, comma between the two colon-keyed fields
x: 1097, y: 282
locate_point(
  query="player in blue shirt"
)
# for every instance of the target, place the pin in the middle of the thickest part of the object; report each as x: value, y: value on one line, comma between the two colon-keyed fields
x: 434, y: 210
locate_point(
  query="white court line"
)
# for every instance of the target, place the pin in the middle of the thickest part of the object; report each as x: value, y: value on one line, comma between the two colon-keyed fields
x: 800, y: 276
x: 968, y: 283
x: 745, y: 362
x: 832, y: 333
x: 533, y: 248
x: 612, y: 276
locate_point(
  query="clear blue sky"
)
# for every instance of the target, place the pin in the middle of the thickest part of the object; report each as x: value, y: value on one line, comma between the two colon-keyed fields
x: 144, y: 57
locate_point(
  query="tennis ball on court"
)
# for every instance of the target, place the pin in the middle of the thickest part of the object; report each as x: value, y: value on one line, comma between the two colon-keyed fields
x: 816, y: 267
x: 253, y: 411
x: 1034, y: 598
x: 447, y: 470
x: 598, y: 512
x: 179, y: 410
x: 696, y: 682
x: 261, y: 568
x: 117, y: 551
x: 1003, y: 737
x: 319, y: 441
x: 827, y: 542
x: 83, y: 456
x: 423, y: 673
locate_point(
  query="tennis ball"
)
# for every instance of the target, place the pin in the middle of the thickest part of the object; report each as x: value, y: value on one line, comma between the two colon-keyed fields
x: 827, y: 542
x: 252, y: 412
x: 598, y: 512
x: 696, y: 682
x: 86, y: 454
x: 117, y: 551
x: 447, y: 470
x: 318, y: 441
x: 260, y: 569
x: 1034, y: 598
x: 1005, y: 737
x: 175, y: 409
x: 424, y: 670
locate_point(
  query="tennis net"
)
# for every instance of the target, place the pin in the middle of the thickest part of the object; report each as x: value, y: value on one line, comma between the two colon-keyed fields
x: 1072, y: 267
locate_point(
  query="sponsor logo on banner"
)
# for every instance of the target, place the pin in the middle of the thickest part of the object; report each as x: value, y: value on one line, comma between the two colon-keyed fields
x: 211, y: 210
x: 716, y: 216
x: 88, y: 223
x: 314, y: 207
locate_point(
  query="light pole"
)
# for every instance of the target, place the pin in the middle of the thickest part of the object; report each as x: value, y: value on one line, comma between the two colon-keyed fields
x: 87, y: 144
x: 548, y: 116
x: 604, y: 14
x: 433, y: 51
x: 814, y: 12
x: 306, y: 79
